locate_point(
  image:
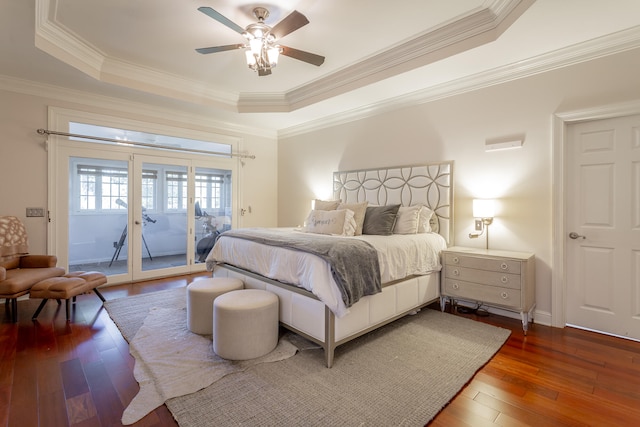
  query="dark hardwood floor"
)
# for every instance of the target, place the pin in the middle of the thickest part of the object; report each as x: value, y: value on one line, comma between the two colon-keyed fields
x: 80, y: 373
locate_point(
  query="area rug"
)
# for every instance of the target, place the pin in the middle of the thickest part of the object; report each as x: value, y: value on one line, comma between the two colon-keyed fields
x: 400, y: 375
x: 171, y: 361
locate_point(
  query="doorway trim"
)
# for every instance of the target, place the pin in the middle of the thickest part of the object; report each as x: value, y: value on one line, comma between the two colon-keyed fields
x: 560, y: 122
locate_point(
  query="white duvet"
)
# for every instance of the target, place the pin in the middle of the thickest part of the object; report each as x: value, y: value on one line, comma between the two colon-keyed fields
x: 399, y: 255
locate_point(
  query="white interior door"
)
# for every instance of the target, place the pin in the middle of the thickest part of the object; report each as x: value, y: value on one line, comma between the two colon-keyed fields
x: 603, y: 226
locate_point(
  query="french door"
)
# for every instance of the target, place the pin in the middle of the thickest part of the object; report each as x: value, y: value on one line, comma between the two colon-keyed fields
x: 135, y: 215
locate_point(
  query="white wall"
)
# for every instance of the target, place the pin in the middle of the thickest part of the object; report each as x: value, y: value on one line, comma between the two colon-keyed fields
x: 23, y: 159
x: 456, y: 129
x: 297, y: 169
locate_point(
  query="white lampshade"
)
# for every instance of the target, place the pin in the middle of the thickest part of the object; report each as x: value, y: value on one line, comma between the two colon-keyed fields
x: 256, y: 46
x: 251, y: 60
x: 273, y: 53
x: 484, y: 208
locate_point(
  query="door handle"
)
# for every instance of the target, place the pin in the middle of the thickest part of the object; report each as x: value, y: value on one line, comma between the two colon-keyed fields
x: 575, y: 235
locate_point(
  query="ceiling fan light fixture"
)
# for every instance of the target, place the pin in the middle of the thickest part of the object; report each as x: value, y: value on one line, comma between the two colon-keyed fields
x: 261, y: 51
x: 261, y: 55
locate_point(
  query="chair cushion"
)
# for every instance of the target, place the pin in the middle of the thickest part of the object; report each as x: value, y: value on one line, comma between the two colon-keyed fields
x: 38, y: 261
x: 59, y: 288
x: 93, y: 278
x: 19, y: 280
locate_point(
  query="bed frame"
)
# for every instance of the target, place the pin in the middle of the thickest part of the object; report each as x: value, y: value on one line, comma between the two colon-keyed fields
x: 303, y: 313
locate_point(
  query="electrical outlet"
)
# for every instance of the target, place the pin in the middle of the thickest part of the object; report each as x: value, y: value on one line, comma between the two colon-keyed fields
x: 35, y: 212
x: 478, y: 225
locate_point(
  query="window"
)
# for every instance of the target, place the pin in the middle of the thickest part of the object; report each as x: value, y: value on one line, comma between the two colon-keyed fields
x: 101, y: 187
x: 176, y: 190
x: 209, y: 190
x: 149, y: 180
x: 106, y: 187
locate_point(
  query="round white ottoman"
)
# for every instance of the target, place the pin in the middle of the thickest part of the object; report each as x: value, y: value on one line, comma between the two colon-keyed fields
x: 200, y: 297
x: 245, y: 324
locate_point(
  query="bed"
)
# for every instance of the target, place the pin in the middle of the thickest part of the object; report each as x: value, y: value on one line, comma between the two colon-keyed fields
x: 313, y: 302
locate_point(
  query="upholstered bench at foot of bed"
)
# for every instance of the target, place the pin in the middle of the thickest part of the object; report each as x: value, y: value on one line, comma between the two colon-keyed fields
x: 245, y: 324
x: 200, y: 297
x: 67, y: 287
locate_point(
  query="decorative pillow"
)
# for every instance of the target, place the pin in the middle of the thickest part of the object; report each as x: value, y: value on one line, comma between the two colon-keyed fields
x: 380, y: 220
x: 350, y: 225
x: 326, y: 205
x: 331, y: 222
x: 359, y: 210
x: 407, y: 220
x: 425, y: 220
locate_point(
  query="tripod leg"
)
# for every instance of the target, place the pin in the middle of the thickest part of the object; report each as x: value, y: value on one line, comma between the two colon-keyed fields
x: 145, y: 245
x: 119, y: 245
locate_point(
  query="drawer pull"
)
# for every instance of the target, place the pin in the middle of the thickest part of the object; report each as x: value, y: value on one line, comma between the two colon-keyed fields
x: 504, y: 266
x: 504, y: 295
x: 455, y: 286
x: 504, y: 279
x: 456, y: 260
x: 456, y: 272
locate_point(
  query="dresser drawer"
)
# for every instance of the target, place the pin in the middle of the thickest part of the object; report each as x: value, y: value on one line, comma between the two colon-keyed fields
x: 482, y: 263
x: 510, y: 298
x: 485, y: 277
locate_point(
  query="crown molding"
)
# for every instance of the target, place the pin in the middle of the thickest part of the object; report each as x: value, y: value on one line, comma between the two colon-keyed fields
x: 60, y: 43
x: 474, y: 29
x: 582, y: 52
x: 264, y: 102
x: 125, y: 108
x: 162, y: 83
x: 479, y: 26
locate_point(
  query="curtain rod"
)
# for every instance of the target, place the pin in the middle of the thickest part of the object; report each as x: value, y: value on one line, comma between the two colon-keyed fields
x: 143, y: 144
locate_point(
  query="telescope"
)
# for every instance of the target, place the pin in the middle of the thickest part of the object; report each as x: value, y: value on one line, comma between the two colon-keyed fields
x: 145, y: 217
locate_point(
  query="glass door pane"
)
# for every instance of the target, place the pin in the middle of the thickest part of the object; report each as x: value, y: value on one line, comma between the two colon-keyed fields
x: 213, y: 202
x: 162, y: 218
x: 98, y: 215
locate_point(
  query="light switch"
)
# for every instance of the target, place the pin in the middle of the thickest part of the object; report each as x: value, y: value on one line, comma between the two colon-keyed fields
x: 35, y: 212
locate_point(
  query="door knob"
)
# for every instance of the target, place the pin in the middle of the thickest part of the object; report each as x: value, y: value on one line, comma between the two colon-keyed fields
x: 575, y: 235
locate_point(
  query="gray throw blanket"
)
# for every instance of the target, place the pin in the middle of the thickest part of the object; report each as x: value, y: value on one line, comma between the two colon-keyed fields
x: 354, y: 263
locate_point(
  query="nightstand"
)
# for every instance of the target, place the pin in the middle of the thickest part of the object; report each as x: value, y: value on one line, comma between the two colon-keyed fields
x: 502, y: 279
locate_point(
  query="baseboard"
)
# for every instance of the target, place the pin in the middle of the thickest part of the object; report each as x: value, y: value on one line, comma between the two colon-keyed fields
x: 540, y: 317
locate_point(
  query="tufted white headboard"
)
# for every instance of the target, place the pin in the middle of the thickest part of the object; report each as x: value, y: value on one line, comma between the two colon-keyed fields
x: 430, y: 184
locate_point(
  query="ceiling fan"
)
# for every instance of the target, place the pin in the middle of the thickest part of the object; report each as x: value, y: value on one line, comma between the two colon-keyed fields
x: 261, y: 49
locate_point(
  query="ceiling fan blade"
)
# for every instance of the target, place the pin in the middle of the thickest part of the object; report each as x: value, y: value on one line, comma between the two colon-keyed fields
x: 221, y: 19
x: 214, y: 49
x: 301, y: 55
x: 289, y: 24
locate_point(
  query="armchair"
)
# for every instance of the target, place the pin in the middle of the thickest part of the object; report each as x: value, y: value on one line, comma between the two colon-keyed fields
x: 18, y: 270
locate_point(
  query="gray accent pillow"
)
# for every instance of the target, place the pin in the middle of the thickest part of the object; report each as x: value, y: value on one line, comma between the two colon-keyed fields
x: 380, y: 220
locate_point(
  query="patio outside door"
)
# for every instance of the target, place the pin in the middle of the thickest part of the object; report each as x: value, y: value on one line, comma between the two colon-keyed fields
x: 132, y: 210
x: 128, y: 218
x: 159, y: 223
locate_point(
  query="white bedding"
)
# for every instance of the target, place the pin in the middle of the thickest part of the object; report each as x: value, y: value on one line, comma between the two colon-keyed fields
x: 399, y: 255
